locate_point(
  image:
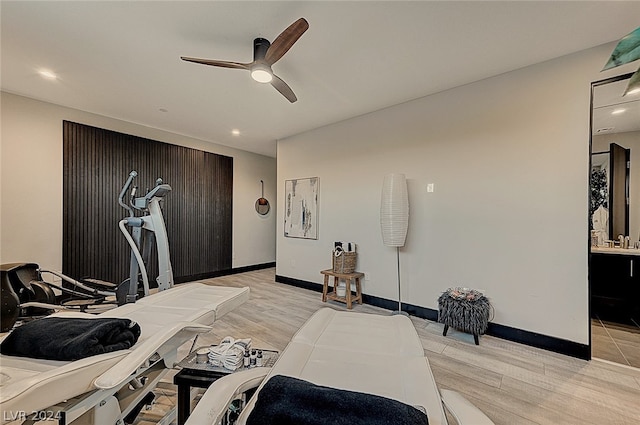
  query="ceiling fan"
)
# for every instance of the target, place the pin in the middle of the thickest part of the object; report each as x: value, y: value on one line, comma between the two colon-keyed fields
x: 265, y: 54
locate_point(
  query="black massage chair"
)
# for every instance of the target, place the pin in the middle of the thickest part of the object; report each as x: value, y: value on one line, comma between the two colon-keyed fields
x: 21, y: 283
x: 26, y: 294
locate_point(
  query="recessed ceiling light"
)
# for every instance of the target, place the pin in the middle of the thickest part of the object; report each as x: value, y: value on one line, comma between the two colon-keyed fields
x: 618, y: 111
x: 49, y: 75
x: 235, y: 132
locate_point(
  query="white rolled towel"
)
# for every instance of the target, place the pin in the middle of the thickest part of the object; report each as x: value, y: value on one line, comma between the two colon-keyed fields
x: 229, y: 353
x: 344, y: 246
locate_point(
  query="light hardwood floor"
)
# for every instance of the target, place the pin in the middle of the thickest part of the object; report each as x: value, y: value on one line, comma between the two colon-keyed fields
x: 616, y: 342
x: 511, y: 383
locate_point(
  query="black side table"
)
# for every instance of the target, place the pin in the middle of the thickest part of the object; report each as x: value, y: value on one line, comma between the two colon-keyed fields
x: 202, y: 375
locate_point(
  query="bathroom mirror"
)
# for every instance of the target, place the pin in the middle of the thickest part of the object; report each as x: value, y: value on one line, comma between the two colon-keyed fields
x: 615, y: 158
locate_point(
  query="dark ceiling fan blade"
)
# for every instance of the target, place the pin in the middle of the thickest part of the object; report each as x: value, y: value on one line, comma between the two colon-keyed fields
x: 223, y: 64
x: 285, y: 40
x: 283, y: 88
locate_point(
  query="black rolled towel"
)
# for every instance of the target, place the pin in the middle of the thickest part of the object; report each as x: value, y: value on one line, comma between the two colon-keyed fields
x: 284, y: 400
x: 59, y: 338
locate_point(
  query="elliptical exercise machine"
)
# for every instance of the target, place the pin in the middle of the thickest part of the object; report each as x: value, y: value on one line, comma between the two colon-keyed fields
x: 25, y: 293
x: 141, y: 243
x: 147, y: 229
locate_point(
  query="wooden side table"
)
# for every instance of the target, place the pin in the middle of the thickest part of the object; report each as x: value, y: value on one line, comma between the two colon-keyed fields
x: 347, y: 277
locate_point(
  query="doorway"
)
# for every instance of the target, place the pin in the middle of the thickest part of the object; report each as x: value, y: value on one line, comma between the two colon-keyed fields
x: 614, y: 222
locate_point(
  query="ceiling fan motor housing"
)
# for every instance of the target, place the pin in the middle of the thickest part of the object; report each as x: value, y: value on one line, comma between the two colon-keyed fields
x: 260, y: 47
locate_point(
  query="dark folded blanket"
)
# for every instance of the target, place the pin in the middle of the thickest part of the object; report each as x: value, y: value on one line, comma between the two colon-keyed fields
x: 290, y: 401
x: 58, y: 338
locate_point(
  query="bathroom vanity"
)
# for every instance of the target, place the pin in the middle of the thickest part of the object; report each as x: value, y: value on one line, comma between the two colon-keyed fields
x: 615, y: 283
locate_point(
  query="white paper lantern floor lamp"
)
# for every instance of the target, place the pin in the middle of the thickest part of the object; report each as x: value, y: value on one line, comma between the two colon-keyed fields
x: 394, y: 218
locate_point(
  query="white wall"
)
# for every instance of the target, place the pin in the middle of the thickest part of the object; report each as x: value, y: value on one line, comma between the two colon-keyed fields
x: 509, y: 159
x: 31, y: 182
x: 629, y: 140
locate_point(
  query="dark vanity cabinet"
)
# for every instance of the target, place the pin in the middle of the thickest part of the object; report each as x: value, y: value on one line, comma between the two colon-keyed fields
x: 615, y: 286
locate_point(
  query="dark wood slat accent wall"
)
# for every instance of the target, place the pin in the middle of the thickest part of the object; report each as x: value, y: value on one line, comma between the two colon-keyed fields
x: 197, y: 212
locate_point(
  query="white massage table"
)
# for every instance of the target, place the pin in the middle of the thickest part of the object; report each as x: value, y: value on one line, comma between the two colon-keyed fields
x: 103, y: 389
x: 380, y: 355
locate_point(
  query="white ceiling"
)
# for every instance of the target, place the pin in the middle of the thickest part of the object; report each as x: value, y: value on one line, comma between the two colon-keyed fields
x: 613, y: 112
x: 122, y: 59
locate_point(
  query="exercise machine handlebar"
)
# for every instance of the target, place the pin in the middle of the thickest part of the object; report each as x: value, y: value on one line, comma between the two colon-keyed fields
x: 125, y: 188
x: 138, y: 257
x: 76, y: 283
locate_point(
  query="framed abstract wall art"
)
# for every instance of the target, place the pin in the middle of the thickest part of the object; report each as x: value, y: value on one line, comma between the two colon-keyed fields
x: 301, y: 208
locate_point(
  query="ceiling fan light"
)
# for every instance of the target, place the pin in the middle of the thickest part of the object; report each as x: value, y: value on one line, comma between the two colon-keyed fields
x: 261, y: 74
